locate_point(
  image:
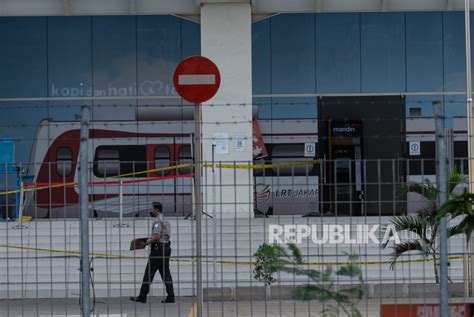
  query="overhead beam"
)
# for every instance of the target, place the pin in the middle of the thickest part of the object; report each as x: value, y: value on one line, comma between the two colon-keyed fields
x: 319, y: 5
x: 133, y: 7
x: 449, y: 5
x: 192, y: 7
x: 67, y: 7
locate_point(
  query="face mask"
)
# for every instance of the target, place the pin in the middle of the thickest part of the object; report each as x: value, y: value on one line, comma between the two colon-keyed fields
x: 152, y: 214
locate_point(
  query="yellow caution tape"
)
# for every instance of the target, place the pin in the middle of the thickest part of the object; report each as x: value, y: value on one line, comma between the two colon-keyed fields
x: 24, y: 219
x: 162, y: 169
x: 114, y: 256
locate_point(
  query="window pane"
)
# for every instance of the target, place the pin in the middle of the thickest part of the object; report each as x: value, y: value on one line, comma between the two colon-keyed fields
x: 191, y: 38
x: 383, y: 52
x: 107, y: 163
x: 107, y: 153
x: 424, y: 51
x: 185, y: 157
x: 106, y: 168
x: 114, y: 56
x: 338, y: 52
x: 69, y: 56
x: 162, y: 159
x: 159, y: 52
x: 292, y: 53
x: 23, y: 68
x: 261, y: 61
x: 454, y: 51
x: 64, y: 161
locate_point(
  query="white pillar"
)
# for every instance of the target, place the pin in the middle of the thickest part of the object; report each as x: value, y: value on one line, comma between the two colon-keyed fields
x: 226, y: 40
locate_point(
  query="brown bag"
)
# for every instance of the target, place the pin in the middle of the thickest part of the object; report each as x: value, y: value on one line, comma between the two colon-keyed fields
x: 138, y: 244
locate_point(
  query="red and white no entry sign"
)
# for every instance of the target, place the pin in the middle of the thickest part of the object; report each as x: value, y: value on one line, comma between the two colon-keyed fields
x: 197, y: 79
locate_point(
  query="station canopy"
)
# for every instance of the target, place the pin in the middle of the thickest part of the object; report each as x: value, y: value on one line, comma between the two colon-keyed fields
x: 191, y: 8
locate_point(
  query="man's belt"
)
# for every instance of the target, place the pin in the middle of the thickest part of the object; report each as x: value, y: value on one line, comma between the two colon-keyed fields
x: 158, y: 244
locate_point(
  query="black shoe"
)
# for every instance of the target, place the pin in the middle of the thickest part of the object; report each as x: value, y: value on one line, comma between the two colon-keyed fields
x: 169, y: 299
x: 138, y: 299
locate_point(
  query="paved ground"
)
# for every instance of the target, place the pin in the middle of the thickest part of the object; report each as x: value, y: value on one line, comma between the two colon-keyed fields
x: 124, y: 308
x: 116, y: 307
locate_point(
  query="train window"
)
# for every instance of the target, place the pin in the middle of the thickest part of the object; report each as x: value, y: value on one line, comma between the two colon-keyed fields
x: 126, y: 160
x: 64, y: 161
x: 162, y: 159
x: 107, y: 162
x: 185, y: 157
x: 287, y: 153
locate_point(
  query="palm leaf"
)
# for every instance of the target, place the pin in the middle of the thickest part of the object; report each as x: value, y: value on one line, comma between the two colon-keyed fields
x: 455, y: 230
x: 466, y: 226
x: 412, y: 223
x: 455, y: 179
x: 457, y: 205
x: 425, y: 189
x: 400, y: 249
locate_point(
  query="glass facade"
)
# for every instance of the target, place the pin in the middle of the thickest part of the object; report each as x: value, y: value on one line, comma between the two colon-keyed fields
x: 294, y: 58
x: 358, y: 53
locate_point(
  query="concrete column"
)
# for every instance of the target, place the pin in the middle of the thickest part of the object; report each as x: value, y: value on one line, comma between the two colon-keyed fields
x: 226, y: 40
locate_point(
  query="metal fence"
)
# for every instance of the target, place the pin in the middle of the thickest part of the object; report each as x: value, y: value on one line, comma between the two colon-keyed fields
x: 328, y: 208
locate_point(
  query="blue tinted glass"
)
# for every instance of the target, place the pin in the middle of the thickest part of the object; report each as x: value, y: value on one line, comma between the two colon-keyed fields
x: 191, y: 38
x: 69, y: 56
x: 383, y: 52
x: 110, y: 110
x: 455, y: 106
x: 261, y: 73
x: 338, y: 52
x: 454, y: 52
x: 27, y: 117
x: 23, y: 57
x: 159, y: 52
x: 113, y: 53
x: 294, y: 108
x: 264, y: 107
x: 292, y: 53
x: 424, y: 32
x: 7, y: 153
x: 423, y: 102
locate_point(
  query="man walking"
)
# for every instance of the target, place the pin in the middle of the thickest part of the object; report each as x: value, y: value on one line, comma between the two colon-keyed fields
x: 160, y: 252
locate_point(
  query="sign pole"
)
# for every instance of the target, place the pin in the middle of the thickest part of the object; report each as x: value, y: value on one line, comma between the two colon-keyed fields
x: 197, y: 79
x: 198, y: 201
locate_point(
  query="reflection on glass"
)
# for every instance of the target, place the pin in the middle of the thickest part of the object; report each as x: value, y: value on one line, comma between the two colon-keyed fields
x: 383, y: 52
x: 159, y: 52
x: 69, y: 57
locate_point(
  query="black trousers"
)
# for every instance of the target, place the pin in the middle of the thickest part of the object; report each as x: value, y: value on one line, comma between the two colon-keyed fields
x: 159, y: 260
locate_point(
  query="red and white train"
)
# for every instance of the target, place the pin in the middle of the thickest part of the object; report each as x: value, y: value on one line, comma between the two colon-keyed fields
x: 128, y: 147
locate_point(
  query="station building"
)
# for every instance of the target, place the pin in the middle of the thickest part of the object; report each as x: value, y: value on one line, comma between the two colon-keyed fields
x: 356, y: 78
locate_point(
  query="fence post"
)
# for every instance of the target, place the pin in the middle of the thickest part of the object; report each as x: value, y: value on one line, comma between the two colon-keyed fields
x: 468, y: 273
x: 21, y: 206
x: 121, y: 224
x: 84, y: 199
x: 442, y: 187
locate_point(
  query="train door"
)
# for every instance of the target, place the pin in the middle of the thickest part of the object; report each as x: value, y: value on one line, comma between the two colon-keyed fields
x: 161, y: 185
x: 174, y: 186
x: 183, y: 181
x: 345, y: 168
